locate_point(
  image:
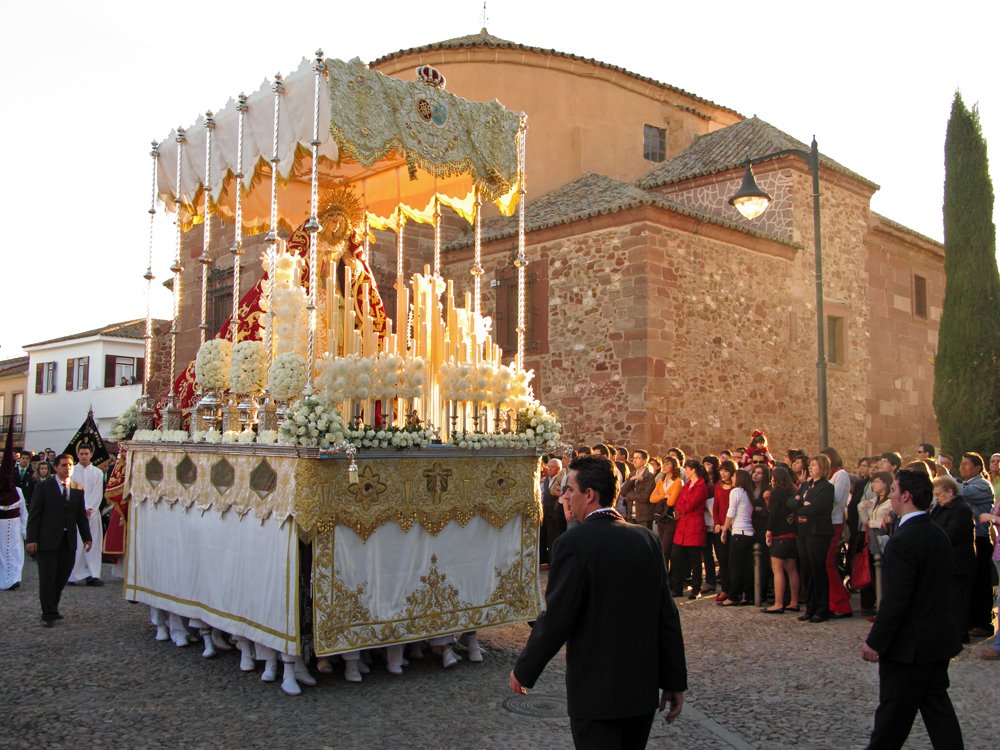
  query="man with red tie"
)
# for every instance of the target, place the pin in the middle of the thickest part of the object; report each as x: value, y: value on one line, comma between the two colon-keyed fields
x: 57, y: 512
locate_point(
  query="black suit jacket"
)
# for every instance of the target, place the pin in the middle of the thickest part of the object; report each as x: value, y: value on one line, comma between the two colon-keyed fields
x: 51, y: 517
x: 816, y: 506
x: 955, y: 520
x: 27, y: 483
x: 609, y: 602
x: 914, y: 623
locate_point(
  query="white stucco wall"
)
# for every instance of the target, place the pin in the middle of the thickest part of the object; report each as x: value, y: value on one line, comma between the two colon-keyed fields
x: 53, y: 418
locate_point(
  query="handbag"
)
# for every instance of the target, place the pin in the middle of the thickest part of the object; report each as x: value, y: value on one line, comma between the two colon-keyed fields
x: 861, y: 570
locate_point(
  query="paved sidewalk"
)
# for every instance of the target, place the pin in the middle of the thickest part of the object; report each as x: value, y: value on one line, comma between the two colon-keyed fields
x: 98, y: 679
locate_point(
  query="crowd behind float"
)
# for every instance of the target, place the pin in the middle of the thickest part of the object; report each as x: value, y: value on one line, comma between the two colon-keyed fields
x: 795, y: 534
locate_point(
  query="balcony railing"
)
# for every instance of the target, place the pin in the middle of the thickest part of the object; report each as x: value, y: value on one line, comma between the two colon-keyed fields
x: 18, y: 424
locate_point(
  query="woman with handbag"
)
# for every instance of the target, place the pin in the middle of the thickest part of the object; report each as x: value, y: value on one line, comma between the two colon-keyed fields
x: 666, y: 493
x: 780, y: 538
x: 814, y: 531
x: 689, y: 535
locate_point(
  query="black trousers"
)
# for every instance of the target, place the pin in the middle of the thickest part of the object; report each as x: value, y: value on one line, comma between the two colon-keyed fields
x: 54, y: 567
x: 740, y: 567
x: 611, y: 734
x: 960, y: 595
x: 709, y: 559
x: 981, y: 597
x: 812, y: 559
x: 685, y: 561
x: 555, y: 524
x: 903, y: 689
x: 722, y: 555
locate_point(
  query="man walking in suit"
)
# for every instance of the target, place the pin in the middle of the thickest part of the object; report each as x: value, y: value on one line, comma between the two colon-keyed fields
x: 57, y: 512
x: 622, y: 632
x: 914, y: 637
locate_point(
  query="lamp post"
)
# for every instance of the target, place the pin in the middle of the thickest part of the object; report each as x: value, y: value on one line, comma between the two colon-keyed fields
x: 751, y: 202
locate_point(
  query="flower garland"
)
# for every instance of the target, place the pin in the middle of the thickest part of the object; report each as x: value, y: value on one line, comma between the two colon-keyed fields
x: 288, y: 375
x: 249, y: 367
x: 536, y: 428
x: 312, y: 422
x: 212, y: 365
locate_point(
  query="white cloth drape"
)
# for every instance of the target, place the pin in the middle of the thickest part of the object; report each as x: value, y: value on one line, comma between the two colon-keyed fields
x: 12, y: 532
x: 236, y: 574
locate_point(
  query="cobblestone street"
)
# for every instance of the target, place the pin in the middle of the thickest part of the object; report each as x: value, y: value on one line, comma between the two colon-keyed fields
x: 100, y: 680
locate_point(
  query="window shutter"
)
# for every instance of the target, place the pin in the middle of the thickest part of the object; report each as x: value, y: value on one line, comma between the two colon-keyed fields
x: 86, y: 372
x: 140, y: 370
x: 38, y: 377
x: 69, y: 373
x: 109, y: 371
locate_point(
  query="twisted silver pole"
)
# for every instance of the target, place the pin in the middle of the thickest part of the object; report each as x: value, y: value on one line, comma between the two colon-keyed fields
x: 522, y: 261
x: 477, y: 266
x: 237, y: 248
x: 437, y: 237
x: 176, y: 268
x: 148, y: 276
x: 312, y: 226
x: 204, y: 258
x: 278, y: 88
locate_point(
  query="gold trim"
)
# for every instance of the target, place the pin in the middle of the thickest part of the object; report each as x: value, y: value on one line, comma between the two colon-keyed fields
x: 342, y: 622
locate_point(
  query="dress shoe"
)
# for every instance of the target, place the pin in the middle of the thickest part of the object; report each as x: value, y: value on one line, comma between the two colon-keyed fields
x: 727, y: 603
x: 449, y: 658
x: 48, y: 623
x: 767, y: 611
x: 57, y: 616
x: 721, y: 597
x: 94, y: 581
x: 15, y: 587
x: 805, y: 618
x: 990, y: 654
x: 351, y: 673
x: 817, y: 618
x: 796, y: 608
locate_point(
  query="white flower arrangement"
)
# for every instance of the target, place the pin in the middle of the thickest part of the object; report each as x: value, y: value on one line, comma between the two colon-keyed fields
x: 456, y: 381
x: 126, y: 425
x: 246, y: 436
x: 288, y: 375
x: 212, y: 436
x: 148, y: 436
x: 267, y: 436
x: 520, y: 394
x: 354, y: 377
x: 411, y: 383
x: 198, y: 436
x: 175, y: 436
x: 248, y: 372
x: 212, y: 365
x: 231, y: 436
x: 311, y: 422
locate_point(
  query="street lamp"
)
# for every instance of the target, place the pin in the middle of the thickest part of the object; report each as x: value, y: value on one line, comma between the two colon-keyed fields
x: 751, y: 202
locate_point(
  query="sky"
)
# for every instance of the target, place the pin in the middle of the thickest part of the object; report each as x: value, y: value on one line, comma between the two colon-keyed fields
x: 89, y: 85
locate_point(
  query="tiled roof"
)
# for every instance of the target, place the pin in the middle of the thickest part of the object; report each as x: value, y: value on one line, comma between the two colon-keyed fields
x: 591, y: 195
x: 130, y: 329
x: 15, y: 366
x: 730, y: 147
x: 485, y: 39
x: 905, y: 229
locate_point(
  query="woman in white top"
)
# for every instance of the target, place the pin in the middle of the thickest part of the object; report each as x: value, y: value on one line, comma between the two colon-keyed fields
x: 738, y: 529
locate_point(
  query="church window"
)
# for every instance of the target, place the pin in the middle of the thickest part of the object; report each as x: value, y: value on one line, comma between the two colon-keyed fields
x: 919, y: 296
x: 536, y: 309
x: 835, y: 340
x: 220, y: 299
x: 45, y: 377
x: 654, y: 143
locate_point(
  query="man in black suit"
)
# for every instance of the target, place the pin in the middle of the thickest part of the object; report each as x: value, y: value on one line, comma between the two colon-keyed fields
x: 914, y: 637
x: 57, y: 511
x: 622, y: 632
x: 24, y: 475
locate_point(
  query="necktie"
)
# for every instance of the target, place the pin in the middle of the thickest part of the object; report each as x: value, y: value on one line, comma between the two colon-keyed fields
x: 65, y: 492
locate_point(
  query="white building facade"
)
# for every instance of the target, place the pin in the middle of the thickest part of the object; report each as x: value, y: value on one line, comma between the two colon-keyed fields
x: 99, y: 370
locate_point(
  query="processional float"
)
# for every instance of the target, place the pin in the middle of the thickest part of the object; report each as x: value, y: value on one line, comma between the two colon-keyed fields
x: 384, y: 467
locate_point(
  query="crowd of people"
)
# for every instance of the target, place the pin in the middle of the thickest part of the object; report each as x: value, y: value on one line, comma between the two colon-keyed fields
x: 814, y: 529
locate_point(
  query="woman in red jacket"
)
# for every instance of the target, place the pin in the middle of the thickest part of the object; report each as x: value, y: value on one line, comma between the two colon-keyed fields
x: 689, y: 535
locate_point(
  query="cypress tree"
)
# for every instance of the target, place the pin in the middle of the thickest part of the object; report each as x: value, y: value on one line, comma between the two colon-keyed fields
x: 967, y: 365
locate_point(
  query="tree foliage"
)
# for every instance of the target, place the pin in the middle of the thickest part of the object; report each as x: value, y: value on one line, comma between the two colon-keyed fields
x: 967, y: 366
